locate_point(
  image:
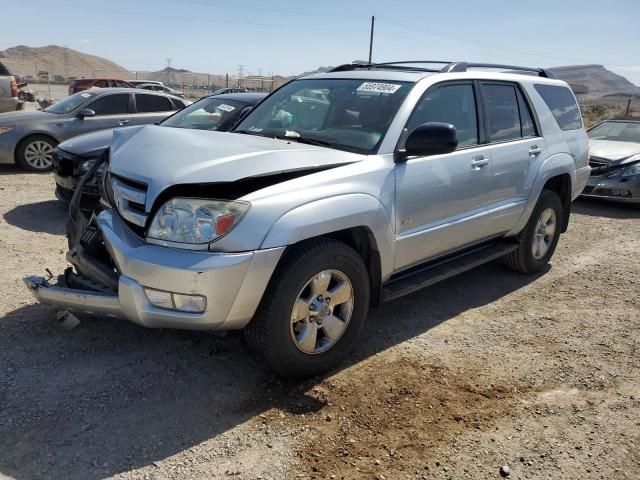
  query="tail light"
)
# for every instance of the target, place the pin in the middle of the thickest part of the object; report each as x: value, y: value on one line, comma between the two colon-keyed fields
x: 14, y: 88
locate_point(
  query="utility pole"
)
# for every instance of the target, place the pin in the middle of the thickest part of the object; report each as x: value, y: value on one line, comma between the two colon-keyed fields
x: 628, y: 107
x: 240, y: 73
x: 373, y: 22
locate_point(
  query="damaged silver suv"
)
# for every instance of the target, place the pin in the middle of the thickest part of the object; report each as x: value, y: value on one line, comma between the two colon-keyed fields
x: 338, y: 191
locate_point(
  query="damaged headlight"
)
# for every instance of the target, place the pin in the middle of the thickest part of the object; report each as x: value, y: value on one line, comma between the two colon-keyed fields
x: 632, y: 170
x: 195, y: 221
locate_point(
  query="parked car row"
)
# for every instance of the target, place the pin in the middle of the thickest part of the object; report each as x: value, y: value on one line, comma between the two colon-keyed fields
x: 28, y: 138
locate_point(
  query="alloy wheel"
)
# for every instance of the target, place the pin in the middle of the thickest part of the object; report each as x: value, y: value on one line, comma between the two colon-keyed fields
x: 544, y: 233
x: 321, y: 312
x: 38, y: 154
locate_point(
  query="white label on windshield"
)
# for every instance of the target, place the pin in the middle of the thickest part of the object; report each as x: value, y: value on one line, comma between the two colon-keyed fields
x: 378, y: 87
x: 226, y: 108
x: 85, y: 95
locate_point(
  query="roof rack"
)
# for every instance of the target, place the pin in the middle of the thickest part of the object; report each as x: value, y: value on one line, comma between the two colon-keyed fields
x: 449, y: 67
x: 410, y: 65
x: 464, y: 66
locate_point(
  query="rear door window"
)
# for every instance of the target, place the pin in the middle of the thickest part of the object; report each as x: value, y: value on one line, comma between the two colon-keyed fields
x: 503, y: 114
x: 526, y: 119
x: 116, y: 104
x: 153, y: 103
x: 562, y: 104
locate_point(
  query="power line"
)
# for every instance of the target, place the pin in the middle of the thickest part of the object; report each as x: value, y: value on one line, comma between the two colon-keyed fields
x: 267, y: 9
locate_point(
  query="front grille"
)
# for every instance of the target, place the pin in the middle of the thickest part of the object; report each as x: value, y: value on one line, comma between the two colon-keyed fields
x: 129, y: 198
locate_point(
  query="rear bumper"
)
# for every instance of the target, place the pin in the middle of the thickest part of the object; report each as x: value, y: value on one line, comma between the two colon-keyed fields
x: 233, y: 284
x: 10, y: 104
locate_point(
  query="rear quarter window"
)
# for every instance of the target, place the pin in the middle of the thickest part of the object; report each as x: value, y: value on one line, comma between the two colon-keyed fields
x: 562, y: 104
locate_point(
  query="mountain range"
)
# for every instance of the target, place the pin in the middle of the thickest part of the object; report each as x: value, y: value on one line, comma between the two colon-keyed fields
x: 56, y: 60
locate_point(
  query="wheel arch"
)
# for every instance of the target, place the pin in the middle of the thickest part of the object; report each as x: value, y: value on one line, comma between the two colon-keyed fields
x: 561, y: 184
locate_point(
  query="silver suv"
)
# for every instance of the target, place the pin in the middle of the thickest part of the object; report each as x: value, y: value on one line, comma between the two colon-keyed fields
x: 338, y: 191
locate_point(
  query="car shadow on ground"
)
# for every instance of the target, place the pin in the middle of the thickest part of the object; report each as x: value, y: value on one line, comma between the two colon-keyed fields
x: 109, y: 396
x: 603, y: 208
x: 48, y: 217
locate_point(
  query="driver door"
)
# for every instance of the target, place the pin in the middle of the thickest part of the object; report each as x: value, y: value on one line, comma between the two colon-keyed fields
x: 441, y: 200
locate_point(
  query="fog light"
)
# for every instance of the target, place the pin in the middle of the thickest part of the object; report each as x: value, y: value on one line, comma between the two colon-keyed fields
x: 159, y: 299
x: 189, y: 303
x: 176, y: 301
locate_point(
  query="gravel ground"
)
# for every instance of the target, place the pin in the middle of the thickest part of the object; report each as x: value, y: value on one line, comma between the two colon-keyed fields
x: 535, y: 375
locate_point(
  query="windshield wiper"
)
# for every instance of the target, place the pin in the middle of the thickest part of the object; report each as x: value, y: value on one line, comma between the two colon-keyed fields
x: 309, y: 141
x: 249, y: 132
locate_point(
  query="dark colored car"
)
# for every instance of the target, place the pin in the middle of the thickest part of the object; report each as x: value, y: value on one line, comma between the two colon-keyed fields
x: 82, y: 84
x: 73, y: 158
x: 614, y: 157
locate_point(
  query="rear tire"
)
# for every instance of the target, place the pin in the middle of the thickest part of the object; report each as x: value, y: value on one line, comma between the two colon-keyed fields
x: 538, y: 240
x: 35, y: 153
x: 299, y: 330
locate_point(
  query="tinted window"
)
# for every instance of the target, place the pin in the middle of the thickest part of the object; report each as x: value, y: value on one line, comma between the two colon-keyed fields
x: 526, y: 120
x: 178, y: 104
x: 153, y: 103
x: 503, y: 114
x: 562, y: 104
x: 120, y: 84
x: 111, y: 104
x: 454, y: 104
x: 101, y: 84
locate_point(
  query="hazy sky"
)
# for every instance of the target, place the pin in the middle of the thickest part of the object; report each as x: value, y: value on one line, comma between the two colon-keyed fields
x: 286, y: 37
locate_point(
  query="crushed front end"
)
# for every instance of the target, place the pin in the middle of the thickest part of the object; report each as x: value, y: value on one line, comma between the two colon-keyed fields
x: 116, y: 273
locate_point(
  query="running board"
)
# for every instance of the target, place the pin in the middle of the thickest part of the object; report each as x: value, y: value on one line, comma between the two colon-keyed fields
x: 439, y: 270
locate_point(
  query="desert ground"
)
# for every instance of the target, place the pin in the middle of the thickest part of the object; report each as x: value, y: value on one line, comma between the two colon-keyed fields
x: 490, y: 374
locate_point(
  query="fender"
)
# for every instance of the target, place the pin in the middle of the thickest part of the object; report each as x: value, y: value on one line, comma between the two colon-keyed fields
x: 328, y: 215
x: 553, y: 166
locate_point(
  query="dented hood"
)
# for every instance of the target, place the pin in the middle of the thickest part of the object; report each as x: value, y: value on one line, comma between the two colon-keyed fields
x: 616, y: 152
x: 163, y: 156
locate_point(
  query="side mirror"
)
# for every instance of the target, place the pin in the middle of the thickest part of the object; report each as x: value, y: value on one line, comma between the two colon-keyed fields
x: 86, y: 112
x: 431, y: 138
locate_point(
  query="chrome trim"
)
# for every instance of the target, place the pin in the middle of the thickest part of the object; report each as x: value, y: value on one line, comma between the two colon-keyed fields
x: 123, y: 196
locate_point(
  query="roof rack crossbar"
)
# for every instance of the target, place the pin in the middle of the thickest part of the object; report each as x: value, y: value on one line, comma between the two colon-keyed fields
x: 463, y: 66
x: 392, y: 65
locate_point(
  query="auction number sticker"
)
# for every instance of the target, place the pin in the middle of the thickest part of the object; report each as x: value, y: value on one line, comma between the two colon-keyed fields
x: 226, y: 108
x: 85, y: 95
x: 378, y: 87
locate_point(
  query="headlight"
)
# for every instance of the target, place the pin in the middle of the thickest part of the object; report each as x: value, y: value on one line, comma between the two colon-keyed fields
x: 632, y: 170
x: 5, y: 129
x: 195, y: 221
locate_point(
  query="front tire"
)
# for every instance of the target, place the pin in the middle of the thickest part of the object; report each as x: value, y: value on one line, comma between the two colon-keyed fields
x: 35, y: 153
x: 538, y: 240
x: 313, y: 309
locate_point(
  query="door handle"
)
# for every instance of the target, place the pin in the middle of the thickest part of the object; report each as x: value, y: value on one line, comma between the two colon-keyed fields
x: 535, y: 150
x: 479, y: 161
x: 123, y: 122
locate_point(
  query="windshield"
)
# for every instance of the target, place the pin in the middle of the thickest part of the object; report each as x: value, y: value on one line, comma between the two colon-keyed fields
x: 70, y: 103
x: 207, y: 114
x: 351, y: 115
x: 616, y: 131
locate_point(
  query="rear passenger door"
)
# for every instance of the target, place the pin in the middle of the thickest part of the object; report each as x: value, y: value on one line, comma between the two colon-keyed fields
x: 152, y: 108
x: 517, y: 149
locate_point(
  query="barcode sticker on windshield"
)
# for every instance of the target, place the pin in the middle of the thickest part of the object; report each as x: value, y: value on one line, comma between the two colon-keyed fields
x: 226, y: 108
x: 378, y: 87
